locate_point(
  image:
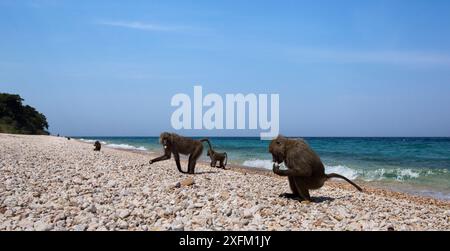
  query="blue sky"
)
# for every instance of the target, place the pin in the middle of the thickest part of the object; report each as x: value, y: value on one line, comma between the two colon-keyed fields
x: 342, y: 68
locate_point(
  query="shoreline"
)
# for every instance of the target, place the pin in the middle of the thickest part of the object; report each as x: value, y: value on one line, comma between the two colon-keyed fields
x: 398, y: 188
x: 51, y: 183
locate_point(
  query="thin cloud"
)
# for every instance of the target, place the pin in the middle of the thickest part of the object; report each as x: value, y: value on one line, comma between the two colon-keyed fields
x: 137, y: 25
x: 380, y: 57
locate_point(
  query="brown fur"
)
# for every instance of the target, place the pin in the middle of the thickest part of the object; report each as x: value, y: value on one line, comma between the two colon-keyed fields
x: 215, y: 157
x: 97, y: 146
x: 176, y: 145
x: 305, y: 170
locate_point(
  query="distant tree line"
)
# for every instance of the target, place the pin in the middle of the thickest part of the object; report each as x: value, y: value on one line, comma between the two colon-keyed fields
x: 18, y: 118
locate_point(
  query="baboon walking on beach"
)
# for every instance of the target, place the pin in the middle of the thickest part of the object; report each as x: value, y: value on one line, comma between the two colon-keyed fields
x: 215, y: 157
x: 176, y: 145
x: 305, y: 170
x: 97, y: 146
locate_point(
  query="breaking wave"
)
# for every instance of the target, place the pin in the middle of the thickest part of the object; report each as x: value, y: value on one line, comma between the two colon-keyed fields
x: 397, y: 174
x: 260, y: 163
x: 342, y: 170
x: 116, y: 146
x: 127, y: 147
x: 92, y: 141
x: 351, y: 173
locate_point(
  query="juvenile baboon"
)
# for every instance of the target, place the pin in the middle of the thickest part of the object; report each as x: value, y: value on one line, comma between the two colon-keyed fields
x: 305, y: 170
x: 217, y: 157
x: 176, y: 145
x: 97, y: 146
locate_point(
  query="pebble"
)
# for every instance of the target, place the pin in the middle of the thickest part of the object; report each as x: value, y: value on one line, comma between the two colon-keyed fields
x: 122, y: 224
x: 42, y: 226
x: 186, y: 182
x: 123, y: 213
x: 91, y: 208
x: 248, y: 214
x: 80, y: 227
x: 198, y: 205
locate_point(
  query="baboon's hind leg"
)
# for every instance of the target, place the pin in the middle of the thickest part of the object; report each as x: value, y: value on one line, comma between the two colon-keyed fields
x: 193, y: 159
x: 304, y: 192
x: 191, y: 164
x: 295, y: 193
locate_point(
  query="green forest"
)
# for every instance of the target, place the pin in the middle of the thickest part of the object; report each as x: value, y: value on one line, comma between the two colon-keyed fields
x: 20, y: 119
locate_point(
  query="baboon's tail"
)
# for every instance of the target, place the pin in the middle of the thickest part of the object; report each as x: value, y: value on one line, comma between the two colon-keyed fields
x: 226, y: 160
x: 209, y: 143
x: 335, y: 175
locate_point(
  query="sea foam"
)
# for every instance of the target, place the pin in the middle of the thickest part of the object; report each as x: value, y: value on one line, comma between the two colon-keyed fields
x: 116, y: 146
x: 260, y: 163
x: 127, y: 147
x: 350, y: 173
x: 268, y: 164
x: 397, y: 174
x: 92, y: 141
x: 342, y: 170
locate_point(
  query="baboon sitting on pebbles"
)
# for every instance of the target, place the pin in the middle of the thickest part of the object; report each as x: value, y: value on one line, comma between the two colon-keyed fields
x: 305, y: 170
x: 97, y: 146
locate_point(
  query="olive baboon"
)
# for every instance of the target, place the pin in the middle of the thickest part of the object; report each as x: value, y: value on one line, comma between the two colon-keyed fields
x: 215, y: 156
x: 176, y: 144
x: 305, y: 170
x: 97, y: 146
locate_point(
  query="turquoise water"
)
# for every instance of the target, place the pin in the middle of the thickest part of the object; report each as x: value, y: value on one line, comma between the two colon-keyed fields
x: 417, y: 165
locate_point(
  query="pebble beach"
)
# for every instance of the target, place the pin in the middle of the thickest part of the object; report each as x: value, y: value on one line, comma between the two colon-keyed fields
x: 51, y: 183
